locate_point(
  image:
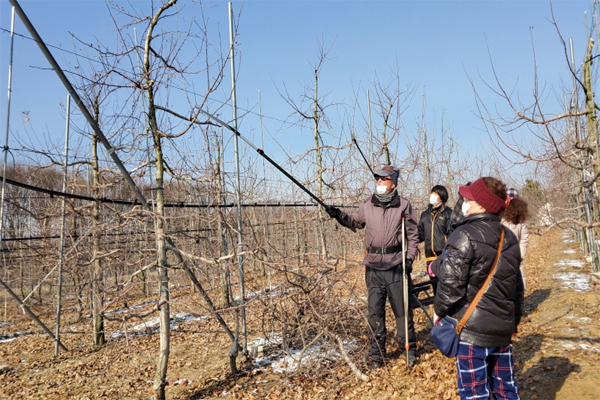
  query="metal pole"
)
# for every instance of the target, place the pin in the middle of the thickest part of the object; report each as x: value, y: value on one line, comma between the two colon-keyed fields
x: 405, y: 293
x: 90, y: 120
x: 237, y: 181
x: 575, y: 105
x: 588, y: 244
x: 262, y: 138
x: 370, y: 129
x: 262, y: 145
x: 12, y: 40
x: 62, y: 229
x: 31, y: 314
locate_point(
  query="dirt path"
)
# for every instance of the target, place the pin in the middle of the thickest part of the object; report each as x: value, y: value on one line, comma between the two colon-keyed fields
x: 558, y: 349
x: 557, y: 352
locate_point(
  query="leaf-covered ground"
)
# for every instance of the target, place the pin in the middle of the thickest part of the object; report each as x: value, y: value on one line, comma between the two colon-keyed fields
x: 557, y: 351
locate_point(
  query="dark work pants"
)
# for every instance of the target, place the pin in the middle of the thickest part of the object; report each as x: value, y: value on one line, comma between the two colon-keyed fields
x: 384, y: 285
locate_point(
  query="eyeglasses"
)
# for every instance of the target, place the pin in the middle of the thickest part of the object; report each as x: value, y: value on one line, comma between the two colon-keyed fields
x: 384, y: 178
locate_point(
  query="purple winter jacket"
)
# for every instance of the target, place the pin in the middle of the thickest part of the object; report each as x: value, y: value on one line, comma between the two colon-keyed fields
x: 383, y: 229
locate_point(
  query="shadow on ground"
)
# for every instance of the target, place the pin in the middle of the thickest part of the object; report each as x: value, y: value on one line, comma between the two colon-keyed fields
x: 546, y: 378
x: 534, y: 300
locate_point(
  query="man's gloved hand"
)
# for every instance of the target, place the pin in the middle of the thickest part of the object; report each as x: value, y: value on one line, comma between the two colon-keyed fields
x: 336, y: 213
x: 333, y: 212
x: 409, y: 266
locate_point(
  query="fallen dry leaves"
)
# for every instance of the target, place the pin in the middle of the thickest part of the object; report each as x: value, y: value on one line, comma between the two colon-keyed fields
x: 198, y: 366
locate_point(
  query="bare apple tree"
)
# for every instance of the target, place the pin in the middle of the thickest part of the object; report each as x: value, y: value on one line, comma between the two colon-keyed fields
x: 561, y: 142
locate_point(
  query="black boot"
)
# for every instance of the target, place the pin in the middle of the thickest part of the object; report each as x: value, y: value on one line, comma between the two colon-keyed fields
x: 375, y: 365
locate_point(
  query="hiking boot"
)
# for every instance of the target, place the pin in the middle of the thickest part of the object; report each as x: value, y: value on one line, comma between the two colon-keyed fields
x: 375, y: 365
x: 411, y: 358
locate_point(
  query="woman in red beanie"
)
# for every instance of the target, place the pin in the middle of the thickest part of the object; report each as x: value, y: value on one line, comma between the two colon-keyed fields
x: 484, y: 363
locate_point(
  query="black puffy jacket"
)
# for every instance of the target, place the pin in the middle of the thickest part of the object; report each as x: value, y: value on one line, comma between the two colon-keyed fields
x: 434, y: 229
x: 463, y: 268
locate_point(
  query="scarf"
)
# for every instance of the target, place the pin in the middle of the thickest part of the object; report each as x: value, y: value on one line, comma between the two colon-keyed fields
x: 386, y: 198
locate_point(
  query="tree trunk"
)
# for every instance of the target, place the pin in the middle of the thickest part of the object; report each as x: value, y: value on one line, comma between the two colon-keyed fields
x: 163, y: 274
x: 592, y: 128
x: 97, y: 271
x: 320, y: 219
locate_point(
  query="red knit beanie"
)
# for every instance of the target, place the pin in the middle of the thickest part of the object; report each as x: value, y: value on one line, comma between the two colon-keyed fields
x: 479, y: 192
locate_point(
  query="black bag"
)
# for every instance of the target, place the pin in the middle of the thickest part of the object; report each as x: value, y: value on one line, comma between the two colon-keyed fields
x: 445, y: 337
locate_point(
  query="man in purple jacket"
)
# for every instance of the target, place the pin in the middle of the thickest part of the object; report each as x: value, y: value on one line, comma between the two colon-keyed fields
x: 381, y: 215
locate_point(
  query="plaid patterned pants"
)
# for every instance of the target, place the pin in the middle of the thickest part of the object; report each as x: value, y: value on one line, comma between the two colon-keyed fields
x: 486, y: 372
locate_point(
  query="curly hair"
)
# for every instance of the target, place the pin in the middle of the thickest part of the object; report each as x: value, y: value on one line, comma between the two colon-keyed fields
x: 517, y: 211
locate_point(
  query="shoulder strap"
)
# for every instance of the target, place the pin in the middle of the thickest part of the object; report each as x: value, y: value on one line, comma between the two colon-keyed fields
x: 473, y: 304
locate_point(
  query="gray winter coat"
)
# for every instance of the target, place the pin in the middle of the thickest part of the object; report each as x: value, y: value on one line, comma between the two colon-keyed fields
x: 383, y: 229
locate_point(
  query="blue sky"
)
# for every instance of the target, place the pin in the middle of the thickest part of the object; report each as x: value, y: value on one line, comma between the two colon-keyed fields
x: 435, y: 47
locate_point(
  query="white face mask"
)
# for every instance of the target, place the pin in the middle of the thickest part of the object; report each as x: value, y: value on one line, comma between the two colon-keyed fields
x: 465, y: 207
x: 381, y: 189
x: 434, y: 199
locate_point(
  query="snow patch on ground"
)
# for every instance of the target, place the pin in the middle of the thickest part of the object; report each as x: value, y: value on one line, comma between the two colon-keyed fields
x: 574, y: 280
x: 569, y: 251
x: 582, y: 346
x: 583, y: 320
x: 149, y: 326
x: 263, y: 293
x: 183, y: 382
x: 571, y: 263
x: 282, y: 361
x: 12, y: 336
x: 569, y: 240
x: 274, y: 341
x: 266, y: 292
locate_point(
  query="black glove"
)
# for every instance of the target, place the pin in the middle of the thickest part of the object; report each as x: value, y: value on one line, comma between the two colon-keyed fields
x: 333, y: 212
x: 336, y: 213
x: 409, y: 266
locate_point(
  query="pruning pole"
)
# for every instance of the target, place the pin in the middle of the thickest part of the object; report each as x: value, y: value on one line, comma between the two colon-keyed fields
x: 405, y: 292
x: 238, y: 191
x: 269, y: 159
x: 361, y: 153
